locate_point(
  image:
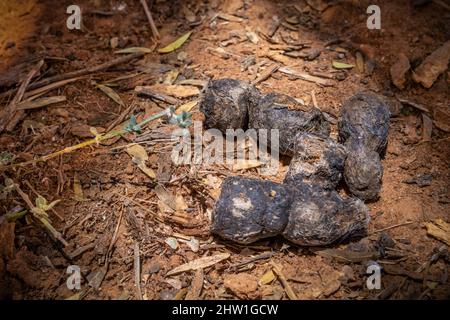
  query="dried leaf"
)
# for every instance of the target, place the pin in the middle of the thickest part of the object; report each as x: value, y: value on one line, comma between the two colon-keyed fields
x: 172, y: 243
x: 176, y: 44
x: 188, y: 14
x: 95, y: 278
x: 139, y: 156
x: 348, y: 256
x: 427, y: 127
x: 77, y: 189
x: 341, y: 50
x: 193, y: 244
x: 196, y: 286
x: 293, y: 19
x: 229, y: 17
x: 341, y: 65
x: 251, y: 35
x: 39, y: 103
x: 137, y: 152
x: 177, y: 91
x: 246, y: 164
x: 171, y: 76
x: 180, y: 294
x: 267, y: 278
x: 193, y: 82
x: 111, y: 94
x: 167, y: 198
x: 186, y: 107
x: 199, y: 263
x: 135, y: 50
x: 439, y: 230
x: 180, y: 204
x: 319, y: 5
x: 359, y: 62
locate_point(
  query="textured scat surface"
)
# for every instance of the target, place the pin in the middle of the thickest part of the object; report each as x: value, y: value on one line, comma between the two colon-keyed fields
x: 317, y: 160
x: 320, y: 217
x: 250, y: 209
x: 363, y: 173
x: 363, y: 128
x: 225, y: 103
x: 282, y: 112
x: 365, y: 118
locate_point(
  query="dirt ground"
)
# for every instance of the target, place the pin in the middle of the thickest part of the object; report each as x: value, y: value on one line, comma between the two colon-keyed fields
x: 114, y: 217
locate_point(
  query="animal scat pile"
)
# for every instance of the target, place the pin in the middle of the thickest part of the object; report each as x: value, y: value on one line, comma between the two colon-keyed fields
x: 305, y: 208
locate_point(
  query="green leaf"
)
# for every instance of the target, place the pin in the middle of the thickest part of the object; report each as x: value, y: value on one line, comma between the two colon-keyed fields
x: 341, y: 65
x: 176, y: 44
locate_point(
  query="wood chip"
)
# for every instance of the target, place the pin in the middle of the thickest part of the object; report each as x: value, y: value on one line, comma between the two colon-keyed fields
x: 200, y: 263
x: 177, y: 91
x: 137, y: 271
x: 147, y: 91
x: 229, y: 17
x: 427, y: 127
x: 277, y: 270
x: 305, y: 76
x: 39, y: 103
x: 266, y: 74
x: 413, y: 104
x: 439, y: 230
x: 196, y: 286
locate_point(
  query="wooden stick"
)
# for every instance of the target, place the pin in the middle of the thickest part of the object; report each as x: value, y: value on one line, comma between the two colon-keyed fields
x: 394, y: 226
x: 137, y: 270
x: 147, y: 91
x: 88, y: 70
x: 150, y: 19
x: 10, y: 116
x: 266, y: 74
x: 277, y: 270
x: 43, y: 102
x: 81, y: 72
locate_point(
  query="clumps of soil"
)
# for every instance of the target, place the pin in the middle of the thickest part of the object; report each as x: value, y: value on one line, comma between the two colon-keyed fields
x: 363, y: 128
x: 305, y: 209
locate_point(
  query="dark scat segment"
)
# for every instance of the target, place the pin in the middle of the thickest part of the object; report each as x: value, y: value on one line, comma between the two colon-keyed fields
x: 225, y: 103
x: 365, y: 118
x: 363, y: 172
x: 363, y: 127
x: 249, y: 210
x: 276, y: 111
x: 319, y: 217
x: 317, y: 160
